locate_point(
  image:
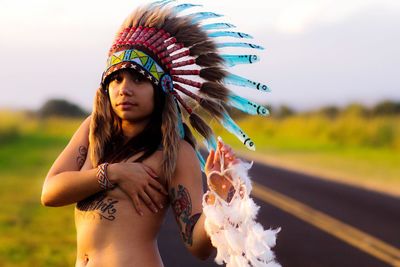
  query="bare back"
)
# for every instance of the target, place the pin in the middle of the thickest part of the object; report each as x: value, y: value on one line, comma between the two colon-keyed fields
x: 111, y: 233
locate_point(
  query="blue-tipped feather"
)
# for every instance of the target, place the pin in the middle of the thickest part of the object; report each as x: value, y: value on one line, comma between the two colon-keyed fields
x: 233, y: 60
x: 161, y: 3
x: 247, y: 45
x: 241, y: 81
x: 246, y: 105
x: 218, y: 26
x: 199, y: 16
x: 201, y: 160
x: 211, y: 143
x: 230, y: 34
x: 233, y: 128
x: 183, y: 7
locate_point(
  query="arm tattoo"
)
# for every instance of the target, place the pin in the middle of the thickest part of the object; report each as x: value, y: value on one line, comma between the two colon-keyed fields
x: 80, y: 160
x: 182, y: 207
x: 104, y: 207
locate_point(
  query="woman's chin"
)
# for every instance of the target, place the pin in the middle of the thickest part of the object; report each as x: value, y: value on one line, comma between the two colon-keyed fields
x: 131, y: 117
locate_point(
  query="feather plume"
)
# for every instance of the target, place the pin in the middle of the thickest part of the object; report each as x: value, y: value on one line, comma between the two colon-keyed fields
x: 234, y: 44
x: 230, y: 34
x: 213, y: 74
x: 209, y: 59
x: 203, y: 48
x: 218, y: 26
x: 246, y: 105
x: 200, y: 126
x: 214, y: 90
x: 244, y: 82
x: 213, y: 107
x: 233, y: 60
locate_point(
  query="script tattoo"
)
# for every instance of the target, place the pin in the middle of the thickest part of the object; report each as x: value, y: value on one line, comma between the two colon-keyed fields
x: 182, y: 206
x: 100, y: 204
x: 80, y: 160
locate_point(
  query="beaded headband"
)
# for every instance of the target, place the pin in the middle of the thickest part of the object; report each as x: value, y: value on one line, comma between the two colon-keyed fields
x: 180, y: 55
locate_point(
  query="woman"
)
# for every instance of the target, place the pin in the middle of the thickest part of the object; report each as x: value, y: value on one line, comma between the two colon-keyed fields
x: 134, y: 156
x: 110, y: 230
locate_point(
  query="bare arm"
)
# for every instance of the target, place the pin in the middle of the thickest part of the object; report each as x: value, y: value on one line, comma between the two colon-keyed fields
x: 65, y: 183
x: 186, y: 191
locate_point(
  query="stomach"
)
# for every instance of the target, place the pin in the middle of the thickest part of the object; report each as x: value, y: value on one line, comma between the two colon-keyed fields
x: 111, y: 233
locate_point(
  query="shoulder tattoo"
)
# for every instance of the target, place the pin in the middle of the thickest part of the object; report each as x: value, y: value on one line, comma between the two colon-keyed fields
x: 182, y: 207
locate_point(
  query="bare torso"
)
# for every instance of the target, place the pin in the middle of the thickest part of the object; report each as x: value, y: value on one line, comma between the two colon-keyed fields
x: 111, y: 233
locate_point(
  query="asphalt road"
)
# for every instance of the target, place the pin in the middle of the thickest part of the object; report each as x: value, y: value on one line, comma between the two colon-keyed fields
x: 301, y: 243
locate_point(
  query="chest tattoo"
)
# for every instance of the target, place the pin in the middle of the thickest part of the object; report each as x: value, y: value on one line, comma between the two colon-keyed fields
x: 182, y: 207
x: 103, y: 206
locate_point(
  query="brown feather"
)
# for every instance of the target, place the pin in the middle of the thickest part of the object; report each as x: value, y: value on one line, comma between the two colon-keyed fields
x: 190, y: 34
x: 200, y: 126
x: 209, y: 60
x: 215, y: 108
x: 204, y: 47
x: 213, y: 74
x: 214, y: 90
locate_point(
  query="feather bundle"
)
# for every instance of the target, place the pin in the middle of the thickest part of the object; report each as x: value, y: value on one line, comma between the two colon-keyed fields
x: 239, y: 239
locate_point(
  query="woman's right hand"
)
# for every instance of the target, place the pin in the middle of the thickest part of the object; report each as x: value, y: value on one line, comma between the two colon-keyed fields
x: 140, y: 182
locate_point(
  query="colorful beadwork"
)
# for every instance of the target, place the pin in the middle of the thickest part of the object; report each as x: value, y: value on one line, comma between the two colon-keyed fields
x: 138, y: 58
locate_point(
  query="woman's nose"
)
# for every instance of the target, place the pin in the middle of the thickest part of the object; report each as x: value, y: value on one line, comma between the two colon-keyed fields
x: 125, y: 88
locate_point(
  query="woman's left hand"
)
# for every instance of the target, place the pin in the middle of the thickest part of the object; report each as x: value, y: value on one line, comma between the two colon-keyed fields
x: 214, y: 159
x: 220, y: 183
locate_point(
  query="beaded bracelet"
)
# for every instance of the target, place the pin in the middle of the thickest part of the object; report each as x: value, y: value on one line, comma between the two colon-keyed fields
x: 102, y: 178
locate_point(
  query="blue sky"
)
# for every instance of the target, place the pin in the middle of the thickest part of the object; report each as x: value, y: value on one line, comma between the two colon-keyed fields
x: 318, y: 52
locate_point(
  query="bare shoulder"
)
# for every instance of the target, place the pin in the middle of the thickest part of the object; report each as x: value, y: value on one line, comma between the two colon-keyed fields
x: 186, y: 153
x: 187, y: 161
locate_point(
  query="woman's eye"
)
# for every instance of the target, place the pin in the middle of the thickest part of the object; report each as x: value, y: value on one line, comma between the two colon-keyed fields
x: 138, y: 79
x: 116, y: 78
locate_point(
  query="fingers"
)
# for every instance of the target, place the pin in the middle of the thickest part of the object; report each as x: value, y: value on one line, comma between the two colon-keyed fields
x: 158, y: 186
x: 154, y: 195
x: 210, y: 161
x: 229, y: 155
x: 147, y: 200
x: 138, y: 205
x: 150, y: 171
x: 217, y: 157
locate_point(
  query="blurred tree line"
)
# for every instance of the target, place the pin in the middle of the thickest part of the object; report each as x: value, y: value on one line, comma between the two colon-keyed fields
x: 61, y: 108
x: 383, y: 108
x: 64, y: 108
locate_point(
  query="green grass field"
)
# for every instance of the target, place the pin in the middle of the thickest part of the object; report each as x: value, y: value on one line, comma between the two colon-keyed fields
x: 32, y: 235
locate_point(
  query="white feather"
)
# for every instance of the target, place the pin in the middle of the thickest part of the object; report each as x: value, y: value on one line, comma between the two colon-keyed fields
x: 232, y: 228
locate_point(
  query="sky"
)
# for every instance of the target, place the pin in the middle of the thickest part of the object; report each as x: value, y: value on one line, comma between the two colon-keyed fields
x: 317, y: 52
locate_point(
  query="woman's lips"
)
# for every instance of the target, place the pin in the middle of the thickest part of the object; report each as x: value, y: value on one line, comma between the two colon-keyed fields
x: 126, y: 105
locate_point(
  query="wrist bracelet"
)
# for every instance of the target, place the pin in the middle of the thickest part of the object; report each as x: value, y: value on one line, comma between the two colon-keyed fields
x: 102, y: 178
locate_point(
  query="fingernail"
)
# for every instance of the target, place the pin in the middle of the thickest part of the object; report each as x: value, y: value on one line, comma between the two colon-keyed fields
x: 161, y: 206
x: 141, y: 213
x: 155, y: 210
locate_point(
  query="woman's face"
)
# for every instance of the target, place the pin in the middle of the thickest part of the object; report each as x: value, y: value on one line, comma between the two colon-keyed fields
x: 131, y: 96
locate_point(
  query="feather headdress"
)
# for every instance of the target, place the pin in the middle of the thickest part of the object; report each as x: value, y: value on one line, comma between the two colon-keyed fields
x: 181, y: 55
